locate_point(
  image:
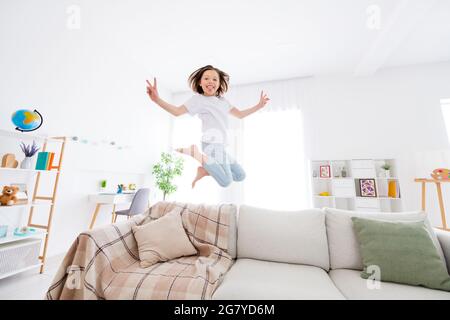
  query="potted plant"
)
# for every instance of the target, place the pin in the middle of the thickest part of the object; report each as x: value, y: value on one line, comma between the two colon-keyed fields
x: 103, y: 184
x: 165, y: 171
x: 386, y: 168
x: 29, y: 151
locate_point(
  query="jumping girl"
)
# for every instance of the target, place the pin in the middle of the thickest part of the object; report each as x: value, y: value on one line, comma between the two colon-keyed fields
x: 214, y: 110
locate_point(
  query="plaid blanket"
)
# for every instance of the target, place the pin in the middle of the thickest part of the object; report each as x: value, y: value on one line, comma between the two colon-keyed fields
x: 103, y: 263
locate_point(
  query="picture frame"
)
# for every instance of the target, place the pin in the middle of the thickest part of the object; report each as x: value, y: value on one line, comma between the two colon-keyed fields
x: 368, y: 188
x: 325, y: 171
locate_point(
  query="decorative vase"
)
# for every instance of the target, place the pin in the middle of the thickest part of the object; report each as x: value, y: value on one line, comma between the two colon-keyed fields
x: 26, y: 163
x: 387, y: 173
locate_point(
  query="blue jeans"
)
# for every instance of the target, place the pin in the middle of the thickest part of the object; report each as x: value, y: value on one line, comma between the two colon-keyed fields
x: 221, y: 166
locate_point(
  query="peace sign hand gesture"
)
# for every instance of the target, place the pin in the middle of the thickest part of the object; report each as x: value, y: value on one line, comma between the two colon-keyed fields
x: 152, y: 91
x: 263, y: 100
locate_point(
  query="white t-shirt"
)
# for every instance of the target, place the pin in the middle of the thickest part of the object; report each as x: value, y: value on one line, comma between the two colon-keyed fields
x: 214, y: 113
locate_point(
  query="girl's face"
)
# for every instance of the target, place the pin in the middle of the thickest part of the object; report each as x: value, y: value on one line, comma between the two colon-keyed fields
x: 210, y: 82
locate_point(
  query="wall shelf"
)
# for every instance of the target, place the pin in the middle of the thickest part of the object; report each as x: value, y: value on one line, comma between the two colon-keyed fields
x: 28, y: 136
x: 13, y: 238
x: 26, y: 205
x: 345, y: 192
x: 18, y: 170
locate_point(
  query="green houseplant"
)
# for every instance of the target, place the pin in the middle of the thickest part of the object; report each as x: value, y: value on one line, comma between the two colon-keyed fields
x: 386, y: 168
x: 165, y: 171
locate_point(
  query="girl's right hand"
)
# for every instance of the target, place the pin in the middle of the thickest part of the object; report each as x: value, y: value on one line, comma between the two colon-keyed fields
x: 152, y: 91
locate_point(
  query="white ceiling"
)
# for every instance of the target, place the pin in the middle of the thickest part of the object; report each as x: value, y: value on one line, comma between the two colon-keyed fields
x: 259, y: 40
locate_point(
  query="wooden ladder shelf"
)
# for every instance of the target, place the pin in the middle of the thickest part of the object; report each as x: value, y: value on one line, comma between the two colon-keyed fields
x: 48, y: 226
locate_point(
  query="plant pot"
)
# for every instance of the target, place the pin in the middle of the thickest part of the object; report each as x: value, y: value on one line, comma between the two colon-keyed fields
x: 26, y: 163
x: 387, y: 173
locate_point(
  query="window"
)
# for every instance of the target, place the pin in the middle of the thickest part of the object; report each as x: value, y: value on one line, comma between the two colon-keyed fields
x: 187, y: 131
x: 271, y: 153
x: 274, y: 160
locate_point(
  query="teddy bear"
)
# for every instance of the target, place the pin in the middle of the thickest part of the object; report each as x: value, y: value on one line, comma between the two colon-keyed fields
x: 8, y: 196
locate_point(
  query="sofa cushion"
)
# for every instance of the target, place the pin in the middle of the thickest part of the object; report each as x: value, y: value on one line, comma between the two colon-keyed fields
x: 163, y: 239
x: 353, y: 287
x: 402, y: 251
x: 342, y: 242
x: 250, y: 279
x: 283, y: 236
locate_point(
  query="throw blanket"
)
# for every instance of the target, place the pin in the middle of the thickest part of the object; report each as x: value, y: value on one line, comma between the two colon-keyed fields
x: 103, y: 263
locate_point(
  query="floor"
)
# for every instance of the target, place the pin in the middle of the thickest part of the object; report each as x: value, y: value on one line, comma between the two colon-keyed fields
x: 30, y: 285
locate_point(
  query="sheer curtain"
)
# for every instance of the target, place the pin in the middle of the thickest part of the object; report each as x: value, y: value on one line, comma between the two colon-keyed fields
x: 269, y: 144
x: 274, y: 160
x: 185, y: 132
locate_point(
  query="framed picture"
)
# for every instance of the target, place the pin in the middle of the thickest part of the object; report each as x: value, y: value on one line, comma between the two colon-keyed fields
x: 325, y: 172
x: 367, y: 188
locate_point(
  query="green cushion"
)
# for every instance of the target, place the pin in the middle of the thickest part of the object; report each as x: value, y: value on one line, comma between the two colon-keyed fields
x: 403, y: 251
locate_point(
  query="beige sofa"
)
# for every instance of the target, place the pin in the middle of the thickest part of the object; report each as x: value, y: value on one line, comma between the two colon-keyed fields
x: 310, y: 254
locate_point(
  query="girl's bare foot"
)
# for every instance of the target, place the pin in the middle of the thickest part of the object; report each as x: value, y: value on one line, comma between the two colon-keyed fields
x: 194, y: 152
x: 201, y: 172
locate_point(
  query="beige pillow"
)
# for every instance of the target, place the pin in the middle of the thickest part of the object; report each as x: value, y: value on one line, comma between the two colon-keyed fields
x: 162, y: 240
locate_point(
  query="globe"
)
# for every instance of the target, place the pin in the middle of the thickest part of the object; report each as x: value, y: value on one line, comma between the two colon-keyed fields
x: 26, y: 120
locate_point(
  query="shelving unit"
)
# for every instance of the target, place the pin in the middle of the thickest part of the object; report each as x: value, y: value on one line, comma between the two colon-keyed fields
x: 22, y: 253
x: 26, y: 170
x: 13, y: 238
x: 344, y: 192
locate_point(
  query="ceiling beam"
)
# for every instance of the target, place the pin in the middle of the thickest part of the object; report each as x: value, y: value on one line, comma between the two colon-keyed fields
x: 393, y: 30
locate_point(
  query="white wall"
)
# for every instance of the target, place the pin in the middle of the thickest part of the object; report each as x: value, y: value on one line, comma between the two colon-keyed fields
x: 86, y: 86
x: 83, y: 87
x: 395, y: 113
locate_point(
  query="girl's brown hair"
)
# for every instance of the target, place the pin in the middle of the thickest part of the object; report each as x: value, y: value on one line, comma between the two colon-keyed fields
x: 196, y: 76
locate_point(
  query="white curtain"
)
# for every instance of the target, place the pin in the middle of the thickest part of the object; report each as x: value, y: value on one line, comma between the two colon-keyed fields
x: 269, y: 144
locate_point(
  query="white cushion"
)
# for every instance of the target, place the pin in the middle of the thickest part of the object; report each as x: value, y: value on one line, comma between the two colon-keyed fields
x: 353, y: 287
x: 283, y: 236
x: 250, y: 279
x: 163, y: 239
x: 342, y: 241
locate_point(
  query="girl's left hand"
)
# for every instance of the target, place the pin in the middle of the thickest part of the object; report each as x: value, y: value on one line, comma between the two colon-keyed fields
x: 263, y: 100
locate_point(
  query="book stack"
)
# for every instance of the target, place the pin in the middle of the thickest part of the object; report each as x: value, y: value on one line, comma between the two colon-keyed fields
x: 45, y: 161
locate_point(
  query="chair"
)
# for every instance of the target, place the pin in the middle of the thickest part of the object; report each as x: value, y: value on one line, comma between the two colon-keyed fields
x: 138, y: 205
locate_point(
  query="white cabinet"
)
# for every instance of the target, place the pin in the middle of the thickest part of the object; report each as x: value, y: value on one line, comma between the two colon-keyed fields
x: 366, y: 204
x: 363, y: 168
x: 18, y: 251
x: 356, y: 184
x: 19, y: 256
x: 343, y: 187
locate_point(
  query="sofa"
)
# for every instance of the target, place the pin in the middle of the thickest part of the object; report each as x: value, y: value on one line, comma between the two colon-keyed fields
x: 244, y: 253
x: 311, y: 254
